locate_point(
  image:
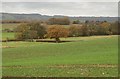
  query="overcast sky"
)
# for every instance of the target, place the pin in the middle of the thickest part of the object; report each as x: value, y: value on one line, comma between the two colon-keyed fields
x: 63, y: 8
x: 59, y: 0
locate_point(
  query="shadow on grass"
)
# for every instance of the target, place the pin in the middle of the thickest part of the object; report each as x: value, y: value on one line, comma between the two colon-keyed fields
x: 36, y: 40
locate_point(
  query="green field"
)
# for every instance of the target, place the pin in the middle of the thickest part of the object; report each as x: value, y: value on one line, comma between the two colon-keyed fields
x: 10, y: 26
x: 6, y: 35
x: 85, y: 56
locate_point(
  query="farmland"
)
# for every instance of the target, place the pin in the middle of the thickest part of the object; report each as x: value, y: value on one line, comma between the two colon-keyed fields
x: 59, y: 39
x: 10, y: 25
x: 84, y: 56
x: 87, y: 56
x: 8, y: 35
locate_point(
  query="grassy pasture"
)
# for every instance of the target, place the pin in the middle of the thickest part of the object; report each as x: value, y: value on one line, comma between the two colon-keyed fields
x: 10, y: 26
x: 6, y: 35
x: 87, y: 56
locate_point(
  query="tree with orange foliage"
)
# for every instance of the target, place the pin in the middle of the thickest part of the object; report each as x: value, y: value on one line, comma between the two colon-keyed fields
x: 56, y: 32
x: 59, y: 21
x: 104, y: 28
x: 74, y: 30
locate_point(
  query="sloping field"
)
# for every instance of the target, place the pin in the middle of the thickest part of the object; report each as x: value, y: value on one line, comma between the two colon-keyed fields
x: 86, y: 56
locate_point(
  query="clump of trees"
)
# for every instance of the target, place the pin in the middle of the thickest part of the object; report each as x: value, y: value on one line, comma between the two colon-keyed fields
x: 30, y: 31
x: 74, y: 30
x: 59, y: 21
x: 13, y: 21
x: 94, y: 28
x: 114, y: 28
x: 103, y: 28
x: 76, y: 22
x: 36, y: 30
x: 56, y: 32
x: 84, y: 31
x: 100, y: 28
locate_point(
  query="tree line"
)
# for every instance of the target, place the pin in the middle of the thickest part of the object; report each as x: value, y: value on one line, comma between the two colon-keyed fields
x: 37, y: 30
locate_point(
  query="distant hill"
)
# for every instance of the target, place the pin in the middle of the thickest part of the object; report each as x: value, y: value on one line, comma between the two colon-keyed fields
x: 18, y: 17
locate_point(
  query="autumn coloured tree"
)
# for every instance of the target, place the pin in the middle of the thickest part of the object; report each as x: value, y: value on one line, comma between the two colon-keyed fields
x: 59, y: 21
x: 114, y: 28
x: 85, y: 30
x: 57, y: 32
x: 104, y: 28
x: 74, y: 31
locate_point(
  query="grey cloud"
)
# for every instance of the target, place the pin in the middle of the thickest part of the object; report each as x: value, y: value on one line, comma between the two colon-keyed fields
x: 64, y: 8
x: 59, y: 0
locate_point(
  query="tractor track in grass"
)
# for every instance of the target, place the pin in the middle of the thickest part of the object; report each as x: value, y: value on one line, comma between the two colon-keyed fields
x: 87, y: 66
x: 68, y: 66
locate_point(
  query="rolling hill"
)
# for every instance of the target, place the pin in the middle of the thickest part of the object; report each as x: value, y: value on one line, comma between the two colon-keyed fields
x: 15, y: 16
